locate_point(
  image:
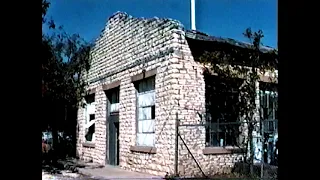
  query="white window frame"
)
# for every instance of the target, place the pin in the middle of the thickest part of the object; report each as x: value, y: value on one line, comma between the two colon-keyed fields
x: 88, y: 110
x: 269, y: 95
x: 145, y: 108
x: 265, y: 98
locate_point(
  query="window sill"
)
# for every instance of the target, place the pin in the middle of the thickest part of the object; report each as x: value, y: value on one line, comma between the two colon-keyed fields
x: 89, y: 144
x: 223, y: 150
x: 144, y: 149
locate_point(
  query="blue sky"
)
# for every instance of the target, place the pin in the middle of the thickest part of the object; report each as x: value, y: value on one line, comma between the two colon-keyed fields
x: 225, y: 18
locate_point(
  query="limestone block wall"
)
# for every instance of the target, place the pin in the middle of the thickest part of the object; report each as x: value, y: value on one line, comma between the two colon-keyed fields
x: 125, y: 48
x: 191, y: 105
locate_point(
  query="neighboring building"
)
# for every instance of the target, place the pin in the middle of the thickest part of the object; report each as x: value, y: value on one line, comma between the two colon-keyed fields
x: 143, y: 77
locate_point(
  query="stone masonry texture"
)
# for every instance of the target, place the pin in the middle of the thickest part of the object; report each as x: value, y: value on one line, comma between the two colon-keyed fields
x: 125, y: 48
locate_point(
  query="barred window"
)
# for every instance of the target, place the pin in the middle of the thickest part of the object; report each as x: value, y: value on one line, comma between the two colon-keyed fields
x: 222, y: 111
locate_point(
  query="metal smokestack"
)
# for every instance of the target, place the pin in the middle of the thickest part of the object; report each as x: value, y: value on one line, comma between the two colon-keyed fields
x: 193, y: 15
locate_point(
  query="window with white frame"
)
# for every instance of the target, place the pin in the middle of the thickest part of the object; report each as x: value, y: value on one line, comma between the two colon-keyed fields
x: 268, y: 104
x: 90, y: 118
x: 269, y: 107
x: 146, y: 111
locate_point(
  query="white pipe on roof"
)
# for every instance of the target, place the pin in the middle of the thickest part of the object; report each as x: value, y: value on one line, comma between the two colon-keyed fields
x: 193, y: 15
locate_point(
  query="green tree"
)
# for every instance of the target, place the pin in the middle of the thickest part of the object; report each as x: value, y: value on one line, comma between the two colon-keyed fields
x: 65, y: 60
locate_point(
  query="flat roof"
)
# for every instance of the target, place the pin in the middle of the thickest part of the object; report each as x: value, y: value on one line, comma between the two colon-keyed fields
x: 204, y: 37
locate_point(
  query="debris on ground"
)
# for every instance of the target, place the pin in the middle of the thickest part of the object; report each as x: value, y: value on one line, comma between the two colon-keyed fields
x: 65, y: 175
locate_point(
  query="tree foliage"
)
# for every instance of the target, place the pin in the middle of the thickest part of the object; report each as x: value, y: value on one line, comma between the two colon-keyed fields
x: 65, y: 60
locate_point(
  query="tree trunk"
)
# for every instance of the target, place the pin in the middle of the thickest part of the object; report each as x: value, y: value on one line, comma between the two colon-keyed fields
x: 54, y: 142
x: 54, y: 130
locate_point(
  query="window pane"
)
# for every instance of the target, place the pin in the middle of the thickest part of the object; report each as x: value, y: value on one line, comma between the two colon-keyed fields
x: 213, y: 139
x: 265, y: 113
x: 90, y: 133
x: 90, y: 108
x: 271, y: 103
x: 145, y: 139
x: 267, y: 99
x: 89, y: 112
x: 147, y: 126
x: 91, y: 117
x: 232, y: 134
x: 222, y: 135
x: 144, y: 113
x: 275, y: 106
x: 141, y: 86
x: 271, y: 127
x: 150, y: 85
x: 90, y: 98
x: 139, y: 130
x: 146, y: 99
x: 212, y: 133
x: 114, y: 107
x: 153, y: 112
x: 260, y: 96
x: 262, y: 101
x: 147, y: 84
x: 207, y: 136
x: 114, y: 97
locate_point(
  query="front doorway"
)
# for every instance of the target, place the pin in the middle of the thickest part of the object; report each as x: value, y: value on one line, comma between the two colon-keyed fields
x: 112, y: 151
x: 114, y: 140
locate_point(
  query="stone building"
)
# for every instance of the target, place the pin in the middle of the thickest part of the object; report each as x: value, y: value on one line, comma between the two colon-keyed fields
x: 143, y: 78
